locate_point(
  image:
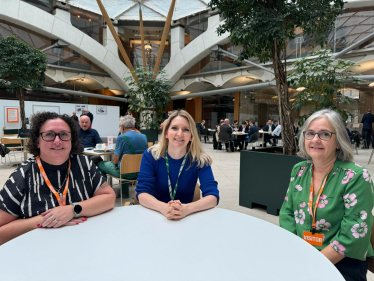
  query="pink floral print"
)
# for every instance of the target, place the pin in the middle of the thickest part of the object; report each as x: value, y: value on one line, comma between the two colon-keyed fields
x: 323, y: 225
x: 349, y: 200
x: 292, y: 179
x: 322, y: 201
x: 338, y: 247
x: 366, y: 175
x: 299, y: 216
x: 301, y: 172
x: 286, y: 198
x: 363, y: 215
x: 302, y: 205
x: 348, y: 175
x: 359, y: 230
x: 358, y: 165
x: 298, y: 187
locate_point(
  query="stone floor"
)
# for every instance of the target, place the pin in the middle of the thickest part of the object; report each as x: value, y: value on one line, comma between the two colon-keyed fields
x: 226, y: 172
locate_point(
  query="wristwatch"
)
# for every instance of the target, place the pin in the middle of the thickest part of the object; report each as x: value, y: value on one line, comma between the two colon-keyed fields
x: 77, y: 209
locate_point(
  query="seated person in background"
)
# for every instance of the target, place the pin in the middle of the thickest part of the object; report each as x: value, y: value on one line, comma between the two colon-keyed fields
x: 216, y: 145
x: 244, y: 138
x: 225, y: 127
x: 56, y: 187
x: 268, y: 128
x: 130, y: 142
x: 338, y: 206
x: 88, y: 137
x: 276, y: 133
x: 252, y: 130
x: 202, y: 131
x: 171, y: 168
x: 235, y: 125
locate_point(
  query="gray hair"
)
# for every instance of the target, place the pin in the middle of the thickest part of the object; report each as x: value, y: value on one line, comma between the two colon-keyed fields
x: 127, y: 121
x: 345, y: 151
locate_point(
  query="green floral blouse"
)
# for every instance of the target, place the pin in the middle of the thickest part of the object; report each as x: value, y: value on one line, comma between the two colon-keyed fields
x: 343, y: 214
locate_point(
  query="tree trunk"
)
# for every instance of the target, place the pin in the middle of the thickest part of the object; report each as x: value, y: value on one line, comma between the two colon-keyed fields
x: 22, y: 108
x: 288, y: 136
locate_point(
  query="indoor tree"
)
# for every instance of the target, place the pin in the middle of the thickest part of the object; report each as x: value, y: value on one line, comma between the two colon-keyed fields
x: 21, y: 66
x: 263, y: 27
x: 149, y: 97
x: 321, y: 81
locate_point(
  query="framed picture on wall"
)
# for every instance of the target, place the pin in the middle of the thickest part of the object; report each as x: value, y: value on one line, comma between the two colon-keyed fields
x: 101, y: 110
x: 79, y: 108
x: 12, y: 115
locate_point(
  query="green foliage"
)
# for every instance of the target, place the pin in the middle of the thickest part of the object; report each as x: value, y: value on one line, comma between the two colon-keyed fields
x: 322, y: 77
x: 21, y: 65
x: 256, y: 24
x: 149, y: 97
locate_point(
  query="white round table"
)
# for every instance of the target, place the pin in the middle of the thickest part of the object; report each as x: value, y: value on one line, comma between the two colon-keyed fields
x: 135, y: 243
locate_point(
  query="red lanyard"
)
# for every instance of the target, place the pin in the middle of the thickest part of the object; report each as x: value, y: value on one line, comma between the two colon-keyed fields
x: 313, y: 213
x: 55, y: 193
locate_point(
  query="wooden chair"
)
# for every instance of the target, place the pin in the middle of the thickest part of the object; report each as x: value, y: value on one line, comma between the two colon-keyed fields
x: 196, y: 196
x: 12, y: 145
x: 150, y: 144
x: 130, y: 163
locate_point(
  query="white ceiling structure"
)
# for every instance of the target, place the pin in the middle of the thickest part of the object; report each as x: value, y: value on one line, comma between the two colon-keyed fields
x: 152, y: 10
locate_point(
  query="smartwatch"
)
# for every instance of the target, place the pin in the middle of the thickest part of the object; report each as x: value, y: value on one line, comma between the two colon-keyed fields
x: 77, y: 209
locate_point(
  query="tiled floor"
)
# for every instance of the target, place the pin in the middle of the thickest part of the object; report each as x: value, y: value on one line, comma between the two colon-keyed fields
x: 226, y: 172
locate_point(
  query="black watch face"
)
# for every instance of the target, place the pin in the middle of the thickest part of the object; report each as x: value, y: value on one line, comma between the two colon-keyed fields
x: 77, y: 209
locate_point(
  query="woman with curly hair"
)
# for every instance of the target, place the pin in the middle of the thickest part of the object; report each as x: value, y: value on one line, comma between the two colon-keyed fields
x: 57, y: 186
x: 170, y: 169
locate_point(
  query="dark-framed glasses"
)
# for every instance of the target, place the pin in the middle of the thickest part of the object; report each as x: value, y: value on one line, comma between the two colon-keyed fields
x: 323, y: 135
x: 50, y: 136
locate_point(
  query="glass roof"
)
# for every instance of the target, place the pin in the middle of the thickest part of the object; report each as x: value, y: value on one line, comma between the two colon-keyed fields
x: 152, y: 10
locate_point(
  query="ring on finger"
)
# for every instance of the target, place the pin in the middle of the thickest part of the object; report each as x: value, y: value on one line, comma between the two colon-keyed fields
x: 53, y: 219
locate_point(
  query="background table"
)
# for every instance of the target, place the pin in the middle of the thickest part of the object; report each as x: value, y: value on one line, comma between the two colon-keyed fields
x: 107, y: 155
x: 135, y: 243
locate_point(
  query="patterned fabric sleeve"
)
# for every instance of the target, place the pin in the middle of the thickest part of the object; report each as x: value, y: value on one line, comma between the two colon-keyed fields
x: 353, y: 238
x: 95, y: 176
x: 286, y: 214
x: 11, y: 195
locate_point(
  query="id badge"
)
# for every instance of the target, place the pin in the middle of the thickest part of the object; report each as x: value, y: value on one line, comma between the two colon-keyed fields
x: 315, y: 239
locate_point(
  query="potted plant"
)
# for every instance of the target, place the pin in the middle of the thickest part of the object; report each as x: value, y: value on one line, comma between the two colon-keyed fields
x: 321, y: 81
x: 149, y: 97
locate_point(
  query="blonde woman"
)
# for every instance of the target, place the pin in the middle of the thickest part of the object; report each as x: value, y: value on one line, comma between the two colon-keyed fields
x: 169, y: 171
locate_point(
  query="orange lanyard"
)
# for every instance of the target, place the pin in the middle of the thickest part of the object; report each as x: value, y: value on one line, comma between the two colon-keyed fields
x: 55, y: 193
x: 313, y: 213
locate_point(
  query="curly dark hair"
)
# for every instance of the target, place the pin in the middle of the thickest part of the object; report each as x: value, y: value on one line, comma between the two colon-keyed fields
x: 37, y: 121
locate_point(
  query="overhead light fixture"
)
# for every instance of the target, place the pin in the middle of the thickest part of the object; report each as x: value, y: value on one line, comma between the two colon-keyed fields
x: 89, y: 19
x: 291, y: 100
x: 189, y: 99
x: 148, y: 47
x: 371, y: 84
x: 300, y: 89
x: 78, y: 16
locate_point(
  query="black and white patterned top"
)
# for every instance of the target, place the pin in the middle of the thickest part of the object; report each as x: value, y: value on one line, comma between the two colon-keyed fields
x: 25, y: 194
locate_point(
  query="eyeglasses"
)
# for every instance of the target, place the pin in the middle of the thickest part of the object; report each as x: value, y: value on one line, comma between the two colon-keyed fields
x: 50, y: 136
x: 323, y: 135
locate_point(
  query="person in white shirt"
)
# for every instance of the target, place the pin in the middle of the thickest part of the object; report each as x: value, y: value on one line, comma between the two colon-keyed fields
x: 276, y: 134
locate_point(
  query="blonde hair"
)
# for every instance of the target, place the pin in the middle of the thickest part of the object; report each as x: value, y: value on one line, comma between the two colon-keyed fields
x: 195, y: 150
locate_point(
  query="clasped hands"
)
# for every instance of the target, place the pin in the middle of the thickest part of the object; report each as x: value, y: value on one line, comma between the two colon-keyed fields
x: 59, y: 216
x: 175, y: 210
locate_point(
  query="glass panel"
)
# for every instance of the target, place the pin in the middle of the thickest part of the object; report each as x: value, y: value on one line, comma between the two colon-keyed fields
x: 56, y: 56
x: 196, y: 25
x: 46, y: 5
x: 87, y: 22
x: 216, y: 108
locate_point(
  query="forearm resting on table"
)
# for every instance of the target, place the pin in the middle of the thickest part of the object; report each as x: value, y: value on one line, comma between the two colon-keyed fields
x: 101, y: 202
x: 150, y: 202
x: 332, y: 255
x: 17, y: 227
x: 204, y: 203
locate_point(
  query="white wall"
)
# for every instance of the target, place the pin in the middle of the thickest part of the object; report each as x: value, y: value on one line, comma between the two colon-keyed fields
x: 106, y: 125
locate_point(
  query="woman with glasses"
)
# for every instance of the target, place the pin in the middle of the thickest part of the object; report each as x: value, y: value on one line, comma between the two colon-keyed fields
x: 57, y: 187
x: 330, y: 198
